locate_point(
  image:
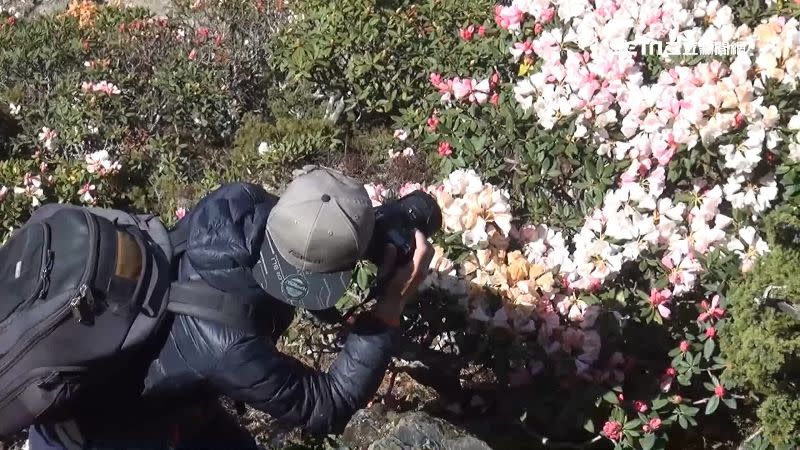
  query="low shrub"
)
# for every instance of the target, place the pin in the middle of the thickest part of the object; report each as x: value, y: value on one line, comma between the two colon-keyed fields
x: 762, y: 342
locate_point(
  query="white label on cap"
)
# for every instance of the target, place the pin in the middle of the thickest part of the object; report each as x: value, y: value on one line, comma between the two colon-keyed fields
x: 18, y: 269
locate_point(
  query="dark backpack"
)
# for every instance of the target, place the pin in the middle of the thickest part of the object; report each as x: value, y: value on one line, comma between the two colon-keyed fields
x: 76, y: 309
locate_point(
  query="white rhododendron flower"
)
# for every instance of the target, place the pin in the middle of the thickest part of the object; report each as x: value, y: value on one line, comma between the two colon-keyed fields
x: 748, y: 245
x: 47, y: 136
x: 100, y: 162
x: 32, y: 187
x: 756, y: 197
x: 377, y: 193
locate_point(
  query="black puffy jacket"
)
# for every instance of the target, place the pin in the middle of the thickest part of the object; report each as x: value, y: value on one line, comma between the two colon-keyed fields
x: 227, y: 228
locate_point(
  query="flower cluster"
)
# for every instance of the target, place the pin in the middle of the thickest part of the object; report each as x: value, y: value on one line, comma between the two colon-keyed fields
x: 100, y: 162
x: 103, y: 87
x: 47, y: 137
x: 584, y: 77
x: 467, y: 89
x: 520, y: 265
x: 468, y: 205
x: 83, y: 10
x: 31, y: 187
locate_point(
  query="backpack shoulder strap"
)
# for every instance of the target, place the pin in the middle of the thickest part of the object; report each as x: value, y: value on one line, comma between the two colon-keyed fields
x: 179, y: 236
x: 198, y: 299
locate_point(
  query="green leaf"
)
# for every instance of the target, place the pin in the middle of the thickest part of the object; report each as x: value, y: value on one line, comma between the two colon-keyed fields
x: 730, y: 403
x: 611, y: 397
x: 362, y: 278
x: 712, y: 405
x: 708, y: 348
x: 478, y: 143
x: 632, y: 424
x: 660, y: 403
x: 589, y: 426
x: 690, y: 410
x: 683, y: 422
x: 648, y: 441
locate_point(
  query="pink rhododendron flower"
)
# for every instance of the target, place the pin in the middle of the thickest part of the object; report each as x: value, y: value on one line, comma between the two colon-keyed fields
x: 684, y: 346
x: 640, y: 406
x: 445, y: 149
x: 663, y: 152
x: 508, y: 17
x: 462, y: 87
x: 201, y: 34
x: 659, y: 300
x: 547, y: 15
x: 652, y: 425
x: 711, y: 311
x: 86, y: 193
x: 494, y: 80
x: 467, y: 33
x: 719, y: 390
x: 711, y: 332
x: 180, y: 213
x: 522, y: 48
x: 193, y: 54
x: 613, y: 430
x: 481, y: 31
x: 432, y: 123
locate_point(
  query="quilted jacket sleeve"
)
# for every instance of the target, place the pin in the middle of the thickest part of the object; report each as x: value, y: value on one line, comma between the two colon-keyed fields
x: 255, y: 372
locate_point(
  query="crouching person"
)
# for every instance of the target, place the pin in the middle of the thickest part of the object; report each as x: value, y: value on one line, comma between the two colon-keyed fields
x: 250, y: 260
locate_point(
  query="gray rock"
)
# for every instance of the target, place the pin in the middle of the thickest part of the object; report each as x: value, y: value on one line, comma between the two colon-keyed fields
x: 374, y: 429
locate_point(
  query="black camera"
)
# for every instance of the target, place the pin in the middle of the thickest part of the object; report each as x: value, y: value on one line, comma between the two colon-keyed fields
x: 396, y: 221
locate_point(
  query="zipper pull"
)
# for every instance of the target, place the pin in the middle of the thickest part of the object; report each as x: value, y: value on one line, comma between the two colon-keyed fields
x: 82, y: 304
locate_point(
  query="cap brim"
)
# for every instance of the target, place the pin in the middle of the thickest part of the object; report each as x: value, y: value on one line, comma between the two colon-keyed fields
x: 303, y: 289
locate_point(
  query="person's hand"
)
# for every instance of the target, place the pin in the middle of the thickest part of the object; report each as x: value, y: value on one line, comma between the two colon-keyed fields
x: 404, y: 280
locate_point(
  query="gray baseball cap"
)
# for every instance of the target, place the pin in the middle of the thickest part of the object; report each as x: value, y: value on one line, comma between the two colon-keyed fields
x: 319, y: 228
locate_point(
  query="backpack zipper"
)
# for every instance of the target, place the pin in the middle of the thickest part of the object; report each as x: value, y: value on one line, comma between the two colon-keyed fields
x: 47, y: 265
x: 40, y: 290
x: 80, y: 305
x: 44, y: 380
